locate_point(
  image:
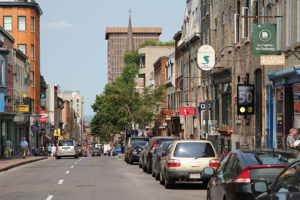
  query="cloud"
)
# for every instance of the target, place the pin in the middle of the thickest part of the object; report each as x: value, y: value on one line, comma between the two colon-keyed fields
x: 58, y: 24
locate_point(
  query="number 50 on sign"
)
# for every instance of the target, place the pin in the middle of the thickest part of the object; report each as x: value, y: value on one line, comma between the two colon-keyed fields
x: 245, y: 103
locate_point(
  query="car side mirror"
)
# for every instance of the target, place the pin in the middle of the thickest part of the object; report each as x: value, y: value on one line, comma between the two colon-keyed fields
x: 209, y: 171
x: 260, y: 186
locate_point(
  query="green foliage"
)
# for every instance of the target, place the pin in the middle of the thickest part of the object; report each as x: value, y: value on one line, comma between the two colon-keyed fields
x: 120, y: 105
x: 154, y: 43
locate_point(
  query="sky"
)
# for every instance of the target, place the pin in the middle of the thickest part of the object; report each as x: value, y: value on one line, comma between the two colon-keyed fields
x: 73, y: 45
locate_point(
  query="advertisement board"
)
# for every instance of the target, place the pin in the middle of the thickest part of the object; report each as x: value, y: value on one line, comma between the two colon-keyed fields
x: 186, y: 111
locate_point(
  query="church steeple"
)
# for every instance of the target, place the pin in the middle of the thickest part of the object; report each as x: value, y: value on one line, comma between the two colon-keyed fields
x: 130, y: 35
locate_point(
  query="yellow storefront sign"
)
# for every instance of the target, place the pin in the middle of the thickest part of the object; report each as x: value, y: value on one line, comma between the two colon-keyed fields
x: 21, y: 108
x: 57, y: 132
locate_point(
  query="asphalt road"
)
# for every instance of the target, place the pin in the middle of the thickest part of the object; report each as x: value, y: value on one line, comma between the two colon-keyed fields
x: 91, y: 178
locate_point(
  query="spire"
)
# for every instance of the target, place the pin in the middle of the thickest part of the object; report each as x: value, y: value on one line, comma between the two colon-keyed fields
x: 130, y: 35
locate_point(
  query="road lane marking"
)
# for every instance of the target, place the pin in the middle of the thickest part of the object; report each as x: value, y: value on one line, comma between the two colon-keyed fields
x: 67, y: 172
x: 49, y: 197
x: 75, y: 163
x: 72, y: 167
x: 60, y: 182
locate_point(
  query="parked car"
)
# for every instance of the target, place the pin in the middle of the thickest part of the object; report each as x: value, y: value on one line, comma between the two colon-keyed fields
x: 157, y: 156
x: 96, y: 152
x: 80, y: 150
x: 66, y: 148
x: 129, y: 144
x: 135, y: 150
x: 185, y: 160
x: 85, y: 154
x: 117, y: 150
x: 232, y: 180
x: 150, y: 150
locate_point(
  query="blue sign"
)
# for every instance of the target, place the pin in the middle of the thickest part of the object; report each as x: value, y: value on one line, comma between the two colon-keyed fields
x: 2, y: 102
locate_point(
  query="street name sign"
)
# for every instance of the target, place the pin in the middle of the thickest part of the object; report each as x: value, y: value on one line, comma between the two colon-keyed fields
x: 206, y: 57
x: 186, y: 111
x: 270, y: 60
x: 21, y: 108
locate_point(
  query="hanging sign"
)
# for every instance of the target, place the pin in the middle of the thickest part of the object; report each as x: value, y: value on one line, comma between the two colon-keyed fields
x: 206, y: 57
x: 186, y: 111
x: 269, y: 60
x: 264, y: 39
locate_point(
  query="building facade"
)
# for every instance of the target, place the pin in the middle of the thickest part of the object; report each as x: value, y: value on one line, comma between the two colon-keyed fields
x: 21, y: 18
x: 122, y: 39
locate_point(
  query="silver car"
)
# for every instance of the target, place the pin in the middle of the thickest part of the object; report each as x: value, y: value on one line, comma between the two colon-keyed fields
x: 66, y: 148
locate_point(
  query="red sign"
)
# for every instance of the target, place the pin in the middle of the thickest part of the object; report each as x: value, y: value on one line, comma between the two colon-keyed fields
x: 186, y: 111
x: 44, y: 116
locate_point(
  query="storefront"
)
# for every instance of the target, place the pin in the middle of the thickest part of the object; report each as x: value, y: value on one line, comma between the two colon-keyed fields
x: 286, y: 104
x: 6, y: 131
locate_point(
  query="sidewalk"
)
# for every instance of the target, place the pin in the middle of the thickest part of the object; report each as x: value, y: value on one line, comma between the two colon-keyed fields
x: 12, y: 163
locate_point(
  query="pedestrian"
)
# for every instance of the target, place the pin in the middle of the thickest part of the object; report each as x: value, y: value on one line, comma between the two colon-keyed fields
x: 8, y: 149
x: 291, y: 138
x: 49, y: 149
x: 224, y: 152
x: 24, y: 147
x: 53, y: 150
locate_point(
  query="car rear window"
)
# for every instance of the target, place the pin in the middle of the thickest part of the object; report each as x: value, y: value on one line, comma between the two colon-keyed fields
x: 159, y: 141
x: 138, y: 139
x: 139, y: 144
x: 192, y: 150
x: 275, y: 158
x: 66, y: 143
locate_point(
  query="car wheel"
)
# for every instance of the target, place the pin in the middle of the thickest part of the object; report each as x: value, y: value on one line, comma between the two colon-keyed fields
x: 76, y: 157
x: 153, y: 171
x: 140, y: 165
x: 161, y: 179
x: 57, y: 157
x: 144, y: 168
x: 208, y: 195
x: 156, y: 176
x: 168, y: 184
x: 149, y: 169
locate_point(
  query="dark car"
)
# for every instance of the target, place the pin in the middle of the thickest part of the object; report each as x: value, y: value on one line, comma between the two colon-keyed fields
x: 80, y: 150
x: 150, y: 150
x: 286, y: 186
x: 129, y: 144
x: 232, y: 179
x: 135, y: 150
x: 96, y: 152
x: 157, y: 156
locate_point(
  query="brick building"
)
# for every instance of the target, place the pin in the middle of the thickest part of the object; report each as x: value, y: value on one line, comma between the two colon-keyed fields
x: 122, y: 39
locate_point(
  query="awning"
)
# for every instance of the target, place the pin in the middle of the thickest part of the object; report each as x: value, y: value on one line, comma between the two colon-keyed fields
x: 285, y: 76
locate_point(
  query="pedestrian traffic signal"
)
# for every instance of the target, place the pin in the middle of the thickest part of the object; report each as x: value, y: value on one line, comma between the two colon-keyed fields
x: 245, y: 103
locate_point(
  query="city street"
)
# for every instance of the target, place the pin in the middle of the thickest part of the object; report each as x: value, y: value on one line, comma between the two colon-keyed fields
x: 88, y: 178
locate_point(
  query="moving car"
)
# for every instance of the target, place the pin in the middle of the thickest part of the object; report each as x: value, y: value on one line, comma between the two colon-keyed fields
x: 66, y: 148
x: 185, y: 160
x: 129, y: 144
x: 232, y: 180
x: 286, y: 185
x: 96, y: 152
x: 157, y: 156
x: 135, y: 150
x: 150, y: 150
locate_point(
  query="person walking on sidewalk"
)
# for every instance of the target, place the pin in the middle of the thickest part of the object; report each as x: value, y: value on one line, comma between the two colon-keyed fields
x: 53, y: 149
x: 24, y: 147
x: 49, y: 149
x: 8, y: 149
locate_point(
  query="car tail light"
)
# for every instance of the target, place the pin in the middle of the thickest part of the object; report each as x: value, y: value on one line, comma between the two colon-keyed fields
x: 214, y: 163
x: 75, y: 148
x: 134, y: 152
x: 154, y: 144
x: 161, y: 157
x: 56, y: 148
x: 173, y: 163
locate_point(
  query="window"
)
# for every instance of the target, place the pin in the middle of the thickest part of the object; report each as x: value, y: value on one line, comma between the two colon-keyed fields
x: 222, y: 29
x: 22, y: 48
x: 245, y: 23
x: 285, y: 181
x: 288, y: 23
x: 32, y: 52
x: 7, y: 23
x: 21, y: 23
x: 236, y: 28
x: 32, y: 24
x: 3, y: 73
x: 298, y: 21
x: 32, y: 79
x: 278, y: 26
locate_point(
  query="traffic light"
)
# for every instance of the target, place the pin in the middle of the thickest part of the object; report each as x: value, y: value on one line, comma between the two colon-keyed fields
x: 245, y: 103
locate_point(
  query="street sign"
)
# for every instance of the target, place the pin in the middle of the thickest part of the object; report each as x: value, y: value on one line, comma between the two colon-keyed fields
x: 272, y: 60
x: 44, y: 116
x: 21, y: 108
x: 264, y: 39
x: 245, y: 95
x: 206, y: 57
x: 186, y: 111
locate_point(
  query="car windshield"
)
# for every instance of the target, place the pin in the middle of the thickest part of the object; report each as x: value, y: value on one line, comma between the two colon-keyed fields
x: 66, y: 143
x: 275, y: 158
x: 190, y: 150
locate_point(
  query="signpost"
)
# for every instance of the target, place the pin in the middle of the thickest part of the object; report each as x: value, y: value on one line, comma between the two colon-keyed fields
x: 206, y: 57
x: 186, y: 111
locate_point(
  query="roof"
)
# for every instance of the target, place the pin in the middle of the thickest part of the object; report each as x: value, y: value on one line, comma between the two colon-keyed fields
x: 124, y: 30
x: 22, y: 5
x: 9, y: 36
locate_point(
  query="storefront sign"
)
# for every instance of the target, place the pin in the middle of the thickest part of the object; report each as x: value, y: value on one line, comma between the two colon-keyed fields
x: 264, y: 39
x: 206, y: 57
x: 272, y: 60
x: 21, y: 108
x: 2, y: 102
x: 57, y: 132
x: 44, y: 116
x: 186, y: 111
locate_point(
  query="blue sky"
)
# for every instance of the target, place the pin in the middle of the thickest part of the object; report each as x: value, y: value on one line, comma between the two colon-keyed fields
x: 73, y: 47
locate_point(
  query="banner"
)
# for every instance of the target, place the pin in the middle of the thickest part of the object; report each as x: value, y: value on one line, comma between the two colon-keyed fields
x: 264, y: 39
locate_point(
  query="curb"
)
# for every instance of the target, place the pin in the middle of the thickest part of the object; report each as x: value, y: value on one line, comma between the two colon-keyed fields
x: 21, y: 163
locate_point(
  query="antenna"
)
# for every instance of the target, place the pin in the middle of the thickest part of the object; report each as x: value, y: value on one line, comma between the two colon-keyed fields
x: 130, y: 11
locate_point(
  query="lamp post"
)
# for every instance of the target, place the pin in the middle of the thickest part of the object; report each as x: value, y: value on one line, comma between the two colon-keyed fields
x: 243, y: 65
